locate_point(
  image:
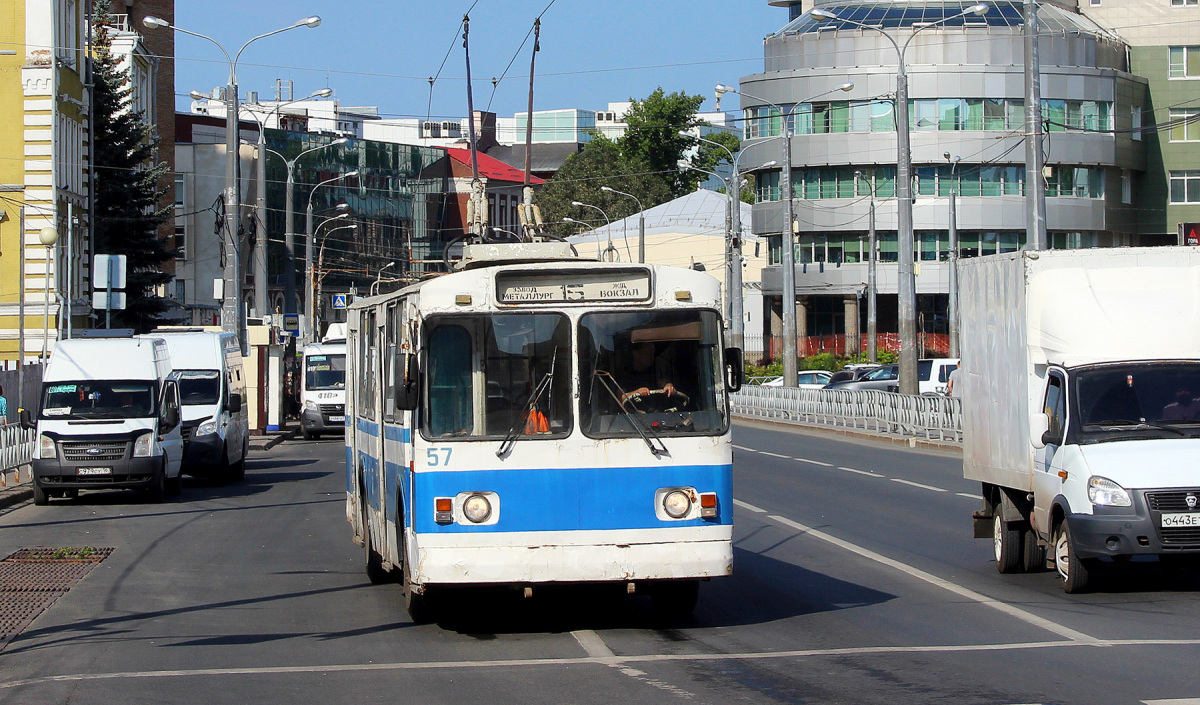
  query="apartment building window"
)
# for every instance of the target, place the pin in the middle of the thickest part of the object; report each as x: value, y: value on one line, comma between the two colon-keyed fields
x: 180, y: 242
x: 180, y: 290
x: 763, y: 122
x: 1185, y: 124
x: 1185, y: 187
x: 1184, y: 62
x: 1178, y: 3
x: 1078, y: 182
x: 179, y: 192
x: 1135, y: 121
x: 1126, y: 186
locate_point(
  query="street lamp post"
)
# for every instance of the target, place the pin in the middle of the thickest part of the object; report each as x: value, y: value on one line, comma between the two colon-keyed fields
x: 378, y: 275
x: 311, y: 278
x: 310, y: 242
x: 48, y: 237
x: 641, y: 222
x: 233, y: 314
x: 260, y: 249
x: 952, y: 298
x: 791, y: 363
x: 610, y: 253
x: 289, y: 228
x: 906, y: 288
x: 872, y: 282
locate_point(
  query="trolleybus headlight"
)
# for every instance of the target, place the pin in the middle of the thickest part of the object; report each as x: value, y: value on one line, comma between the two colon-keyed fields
x: 677, y: 504
x: 477, y: 508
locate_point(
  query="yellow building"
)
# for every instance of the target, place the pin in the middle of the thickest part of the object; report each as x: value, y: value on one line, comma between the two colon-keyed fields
x: 43, y: 170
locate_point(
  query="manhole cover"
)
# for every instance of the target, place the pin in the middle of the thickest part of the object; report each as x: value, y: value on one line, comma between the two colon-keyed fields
x: 31, y: 579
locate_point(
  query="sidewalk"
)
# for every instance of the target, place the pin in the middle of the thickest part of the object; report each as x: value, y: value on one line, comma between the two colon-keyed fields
x: 16, y: 485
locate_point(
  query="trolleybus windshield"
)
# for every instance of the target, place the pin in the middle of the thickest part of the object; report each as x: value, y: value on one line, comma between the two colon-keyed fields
x: 485, y: 372
x: 650, y: 371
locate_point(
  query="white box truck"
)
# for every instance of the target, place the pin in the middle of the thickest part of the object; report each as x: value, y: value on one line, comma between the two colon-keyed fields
x: 1080, y: 387
x: 109, y: 418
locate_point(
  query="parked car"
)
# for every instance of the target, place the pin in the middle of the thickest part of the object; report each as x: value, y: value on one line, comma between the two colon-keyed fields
x: 884, y: 378
x: 807, y: 379
x: 933, y: 374
x: 852, y: 372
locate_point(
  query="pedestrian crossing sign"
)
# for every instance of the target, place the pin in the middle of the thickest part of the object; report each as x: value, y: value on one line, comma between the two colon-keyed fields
x: 339, y: 301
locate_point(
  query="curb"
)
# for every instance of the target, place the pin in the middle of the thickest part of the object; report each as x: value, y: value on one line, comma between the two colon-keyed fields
x: 275, y: 440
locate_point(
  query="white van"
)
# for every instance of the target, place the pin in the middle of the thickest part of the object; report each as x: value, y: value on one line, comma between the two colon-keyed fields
x: 109, y: 418
x: 323, y: 389
x: 933, y: 374
x: 212, y: 389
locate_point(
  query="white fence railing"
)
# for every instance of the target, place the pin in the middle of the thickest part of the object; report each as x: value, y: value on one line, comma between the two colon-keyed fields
x: 901, y: 415
x: 16, y: 447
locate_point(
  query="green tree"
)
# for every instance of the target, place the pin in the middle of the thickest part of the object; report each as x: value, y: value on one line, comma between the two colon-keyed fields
x: 599, y: 163
x: 127, y: 193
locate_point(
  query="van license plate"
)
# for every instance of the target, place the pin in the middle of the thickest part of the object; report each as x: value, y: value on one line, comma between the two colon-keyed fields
x: 337, y: 419
x: 93, y: 471
x: 1169, y: 520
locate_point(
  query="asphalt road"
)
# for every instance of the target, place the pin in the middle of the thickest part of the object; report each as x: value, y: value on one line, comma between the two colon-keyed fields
x: 856, y: 580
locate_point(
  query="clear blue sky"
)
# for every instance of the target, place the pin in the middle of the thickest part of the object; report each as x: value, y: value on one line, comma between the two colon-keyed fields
x: 382, y: 52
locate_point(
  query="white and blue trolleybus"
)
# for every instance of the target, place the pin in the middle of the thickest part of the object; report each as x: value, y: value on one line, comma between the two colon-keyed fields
x: 542, y: 419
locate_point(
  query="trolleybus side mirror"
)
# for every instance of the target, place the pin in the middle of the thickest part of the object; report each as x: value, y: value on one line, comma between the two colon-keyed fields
x: 408, y: 374
x: 735, y: 370
x: 27, y: 420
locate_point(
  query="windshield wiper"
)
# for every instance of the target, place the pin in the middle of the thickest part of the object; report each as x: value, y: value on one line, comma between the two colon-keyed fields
x: 646, y: 432
x: 1127, y: 422
x: 510, y: 439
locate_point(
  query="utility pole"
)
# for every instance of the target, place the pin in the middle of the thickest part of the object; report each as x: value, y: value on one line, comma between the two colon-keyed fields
x: 1035, y: 188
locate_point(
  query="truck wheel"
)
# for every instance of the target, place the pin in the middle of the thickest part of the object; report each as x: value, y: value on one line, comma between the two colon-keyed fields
x: 174, y: 485
x: 1074, y: 572
x: 158, y: 485
x: 1033, y: 556
x: 308, y: 435
x: 40, y: 497
x: 1007, y: 542
x: 674, y: 600
x: 239, y: 468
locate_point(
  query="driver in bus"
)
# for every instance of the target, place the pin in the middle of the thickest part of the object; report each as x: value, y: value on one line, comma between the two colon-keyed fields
x: 644, y: 373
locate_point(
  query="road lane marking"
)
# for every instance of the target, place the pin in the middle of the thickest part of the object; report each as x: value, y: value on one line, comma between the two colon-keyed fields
x: 775, y: 455
x: 1175, y: 701
x: 592, y: 644
x: 968, y: 495
x: 748, y: 450
x: 1003, y: 607
x: 814, y: 462
x: 602, y: 661
x: 910, y: 483
x: 868, y: 473
x: 747, y: 505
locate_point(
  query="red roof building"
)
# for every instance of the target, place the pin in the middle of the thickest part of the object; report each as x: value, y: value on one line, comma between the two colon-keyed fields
x: 502, y: 184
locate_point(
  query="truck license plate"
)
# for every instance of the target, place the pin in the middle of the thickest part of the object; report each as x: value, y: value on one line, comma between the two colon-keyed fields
x: 93, y: 471
x: 1170, y: 520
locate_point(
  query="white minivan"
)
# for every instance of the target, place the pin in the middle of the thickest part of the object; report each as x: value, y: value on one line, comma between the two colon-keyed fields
x: 109, y: 418
x: 323, y: 389
x: 212, y: 389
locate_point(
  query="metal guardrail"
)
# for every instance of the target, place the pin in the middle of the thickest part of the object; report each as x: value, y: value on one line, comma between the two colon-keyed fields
x: 888, y: 413
x: 16, y: 447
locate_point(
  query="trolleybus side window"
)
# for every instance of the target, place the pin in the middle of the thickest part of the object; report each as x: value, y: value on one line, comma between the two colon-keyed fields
x: 366, y: 386
x: 650, y: 372
x: 391, y: 333
x: 498, y: 375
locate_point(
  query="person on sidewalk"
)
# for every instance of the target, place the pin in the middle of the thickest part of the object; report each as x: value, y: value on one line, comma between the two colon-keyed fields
x: 3, y: 407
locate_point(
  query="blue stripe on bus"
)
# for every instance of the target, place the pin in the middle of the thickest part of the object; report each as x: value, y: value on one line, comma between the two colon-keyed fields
x: 368, y: 427
x: 349, y: 469
x: 396, y: 433
x: 574, y: 499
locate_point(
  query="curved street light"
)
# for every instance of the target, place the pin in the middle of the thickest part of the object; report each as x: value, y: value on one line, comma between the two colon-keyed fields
x: 906, y: 288
x: 641, y: 223
x: 610, y: 253
x: 233, y: 314
x: 310, y: 241
x: 791, y: 371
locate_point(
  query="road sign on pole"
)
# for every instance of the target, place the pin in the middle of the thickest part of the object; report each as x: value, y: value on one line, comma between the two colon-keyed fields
x: 339, y: 301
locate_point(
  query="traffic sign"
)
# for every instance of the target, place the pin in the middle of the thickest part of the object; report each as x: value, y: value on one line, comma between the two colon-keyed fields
x: 339, y: 301
x: 291, y: 323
